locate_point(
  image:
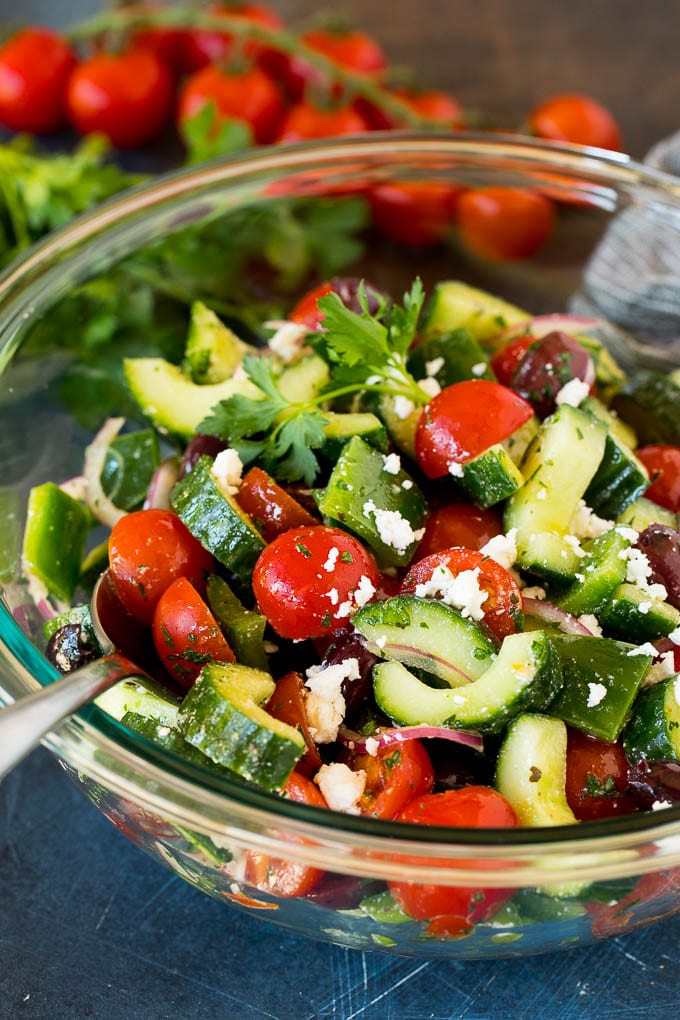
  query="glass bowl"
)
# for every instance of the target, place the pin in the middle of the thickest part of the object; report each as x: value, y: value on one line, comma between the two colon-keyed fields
x: 570, y: 885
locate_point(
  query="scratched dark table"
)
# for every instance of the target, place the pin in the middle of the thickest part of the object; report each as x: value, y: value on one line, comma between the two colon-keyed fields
x: 92, y: 928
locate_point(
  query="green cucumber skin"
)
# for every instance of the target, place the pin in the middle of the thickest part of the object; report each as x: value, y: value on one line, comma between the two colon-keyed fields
x: 491, y: 477
x: 623, y: 618
x: 653, y: 731
x: 531, y: 770
x: 596, y: 660
x: 217, y: 522
x: 643, y: 512
x: 54, y: 539
x: 130, y: 463
x: 603, y: 570
x: 426, y: 634
x: 460, y: 352
x: 620, y: 479
x: 487, y: 704
x: 243, y: 628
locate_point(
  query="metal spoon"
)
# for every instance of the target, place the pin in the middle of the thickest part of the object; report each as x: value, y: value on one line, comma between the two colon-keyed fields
x: 24, y: 723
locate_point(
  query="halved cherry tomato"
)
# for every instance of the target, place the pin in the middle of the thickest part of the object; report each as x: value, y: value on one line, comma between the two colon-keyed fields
x: 456, y: 907
x: 576, y: 118
x: 125, y: 96
x: 663, y: 463
x: 458, y: 524
x: 148, y: 550
x: 507, y: 358
x: 502, y: 223
x: 395, y: 774
x: 452, y: 428
x: 307, y: 120
x: 414, y: 213
x: 351, y: 49
x: 250, y: 96
x: 503, y: 604
x: 201, y: 46
x: 287, y: 703
x: 597, y: 778
x: 307, y: 310
x: 35, y: 66
x: 185, y: 633
x: 270, y: 506
x: 275, y: 875
x: 306, y: 582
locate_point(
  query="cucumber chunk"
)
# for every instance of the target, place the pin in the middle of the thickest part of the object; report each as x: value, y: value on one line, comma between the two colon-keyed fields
x: 222, y: 716
x: 643, y: 512
x: 602, y: 570
x: 525, y: 675
x: 457, y: 305
x: 532, y: 770
x: 213, y: 352
x: 454, y: 356
x: 653, y: 731
x: 54, y: 540
x: 426, y: 634
x: 131, y: 460
x: 619, y: 480
x: 632, y: 611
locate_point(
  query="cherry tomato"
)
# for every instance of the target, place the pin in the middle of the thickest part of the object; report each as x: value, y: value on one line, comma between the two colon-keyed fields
x: 597, y: 778
x: 395, y: 774
x: 307, y: 310
x: 306, y: 581
x: 185, y: 633
x: 500, y: 223
x: 578, y: 119
x: 125, y: 96
x: 663, y: 463
x: 275, y: 875
x: 306, y: 120
x: 270, y: 506
x: 148, y: 550
x: 250, y: 96
x: 201, y: 46
x: 287, y: 703
x: 451, y: 430
x: 478, y: 807
x: 164, y: 40
x: 414, y: 213
x: 437, y: 106
x: 352, y: 50
x: 458, y: 524
x: 507, y: 358
x: 503, y: 604
x: 35, y: 66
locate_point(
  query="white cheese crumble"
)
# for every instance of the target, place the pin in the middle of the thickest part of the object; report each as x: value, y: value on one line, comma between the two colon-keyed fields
x: 592, y: 623
x: 456, y: 469
x: 462, y: 591
x: 573, y: 541
x: 596, y: 694
x: 341, y: 787
x: 393, y: 529
x: 534, y: 592
x: 502, y: 548
x: 332, y: 559
x: 364, y: 591
x: 391, y: 463
x: 430, y: 385
x: 586, y: 524
x: 661, y: 670
x: 676, y: 691
x: 407, y: 484
x: 674, y: 636
x: 638, y: 572
x: 479, y: 368
x: 226, y: 471
x: 646, y: 649
x: 403, y: 407
x: 372, y: 746
x: 630, y: 533
x: 324, y: 703
x: 432, y: 367
x: 333, y: 595
x: 287, y: 341
x: 572, y: 393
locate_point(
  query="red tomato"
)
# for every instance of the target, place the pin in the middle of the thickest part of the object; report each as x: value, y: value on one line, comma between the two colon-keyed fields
x: 478, y: 807
x: 307, y: 311
x: 451, y: 430
x: 352, y: 50
x: 201, y: 46
x: 287, y: 703
x: 501, y: 223
x: 305, y: 587
x: 125, y: 96
x: 458, y: 524
x: 306, y: 120
x: 35, y: 66
x: 270, y: 506
x: 186, y: 635
x: 250, y: 96
x: 275, y: 875
x: 433, y: 104
x: 663, y: 463
x: 148, y: 550
x: 503, y: 605
x: 505, y: 361
x: 394, y: 776
x: 414, y: 213
x: 578, y: 119
x: 166, y: 42
x: 597, y: 778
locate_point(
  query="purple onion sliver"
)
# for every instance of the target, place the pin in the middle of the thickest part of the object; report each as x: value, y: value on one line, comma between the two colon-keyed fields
x: 422, y: 731
x: 160, y: 486
x: 551, y: 613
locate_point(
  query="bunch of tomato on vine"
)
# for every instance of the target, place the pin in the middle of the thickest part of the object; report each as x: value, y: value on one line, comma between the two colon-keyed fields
x: 136, y: 72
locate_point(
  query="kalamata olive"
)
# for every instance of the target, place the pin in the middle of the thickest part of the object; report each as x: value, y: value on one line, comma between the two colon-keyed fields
x: 661, y: 545
x: 201, y: 445
x: 340, y: 892
x: 70, y: 648
x: 357, y: 693
x: 347, y: 289
x: 655, y: 781
x: 455, y: 766
x: 546, y: 367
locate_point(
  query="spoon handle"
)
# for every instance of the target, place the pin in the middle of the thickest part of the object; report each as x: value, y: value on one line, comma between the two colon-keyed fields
x: 24, y: 723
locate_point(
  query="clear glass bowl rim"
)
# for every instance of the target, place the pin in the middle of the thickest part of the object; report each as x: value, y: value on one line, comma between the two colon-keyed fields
x: 159, y: 781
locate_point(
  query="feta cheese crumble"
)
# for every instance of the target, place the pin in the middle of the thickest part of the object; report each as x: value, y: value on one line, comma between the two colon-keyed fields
x: 596, y: 694
x: 332, y: 559
x: 572, y: 393
x: 392, y: 463
x: 430, y: 385
x: 592, y: 623
x: 227, y: 471
x: 393, y: 529
x: 586, y: 524
x: 341, y: 787
x: 364, y: 591
x: 502, y: 548
x: 288, y: 339
x: 456, y: 469
x: 325, y: 703
x: 432, y: 367
x: 638, y: 572
x: 403, y: 407
x: 462, y: 591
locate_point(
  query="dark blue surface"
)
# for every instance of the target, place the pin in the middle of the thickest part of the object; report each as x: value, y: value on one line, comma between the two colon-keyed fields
x: 90, y: 927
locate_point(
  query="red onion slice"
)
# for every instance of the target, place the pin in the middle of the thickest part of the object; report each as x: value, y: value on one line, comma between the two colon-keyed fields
x: 398, y: 734
x: 103, y: 509
x: 540, y: 325
x: 161, y: 484
x: 550, y: 613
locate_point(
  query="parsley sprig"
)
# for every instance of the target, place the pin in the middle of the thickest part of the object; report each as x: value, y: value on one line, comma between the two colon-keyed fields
x: 366, y: 352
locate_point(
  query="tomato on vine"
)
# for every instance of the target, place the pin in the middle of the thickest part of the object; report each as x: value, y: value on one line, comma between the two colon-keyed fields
x: 248, y: 95
x: 200, y: 47
x: 35, y: 67
x: 500, y: 222
x: 418, y: 214
x: 350, y: 49
x: 578, y: 119
x: 125, y: 96
x: 306, y: 120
